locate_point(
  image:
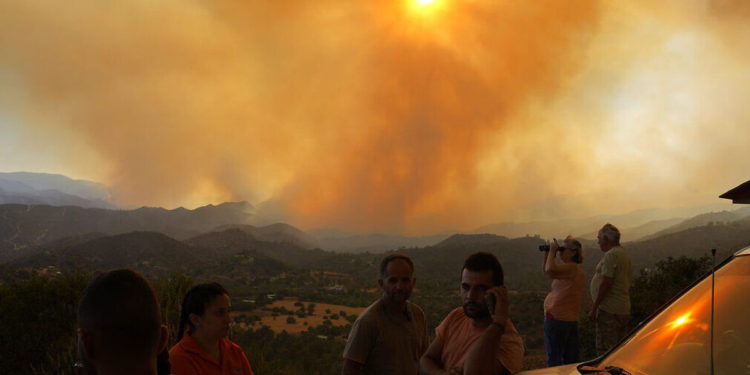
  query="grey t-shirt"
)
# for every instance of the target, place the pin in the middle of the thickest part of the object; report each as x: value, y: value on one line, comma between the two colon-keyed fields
x: 386, y: 343
x: 614, y: 264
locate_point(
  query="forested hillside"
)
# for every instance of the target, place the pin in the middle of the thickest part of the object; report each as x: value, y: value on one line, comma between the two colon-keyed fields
x: 265, y: 266
x: 23, y: 227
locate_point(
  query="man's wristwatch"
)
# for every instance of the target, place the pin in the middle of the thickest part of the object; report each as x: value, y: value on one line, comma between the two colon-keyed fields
x: 499, y: 325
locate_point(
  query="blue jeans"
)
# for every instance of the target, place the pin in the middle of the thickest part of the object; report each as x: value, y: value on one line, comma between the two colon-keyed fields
x: 560, y: 341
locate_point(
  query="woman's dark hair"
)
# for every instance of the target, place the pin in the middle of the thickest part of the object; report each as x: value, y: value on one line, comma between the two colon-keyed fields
x: 195, y: 302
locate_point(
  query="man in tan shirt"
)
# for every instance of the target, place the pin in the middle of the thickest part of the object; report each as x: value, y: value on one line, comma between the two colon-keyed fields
x: 390, y: 336
x: 610, y: 290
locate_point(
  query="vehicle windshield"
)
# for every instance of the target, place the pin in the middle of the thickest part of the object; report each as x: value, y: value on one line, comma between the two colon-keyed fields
x: 677, y: 341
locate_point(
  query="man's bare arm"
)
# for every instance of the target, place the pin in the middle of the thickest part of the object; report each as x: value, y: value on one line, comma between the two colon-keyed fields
x: 430, y: 363
x: 352, y: 368
x: 481, y: 356
x: 481, y: 359
x: 604, y: 288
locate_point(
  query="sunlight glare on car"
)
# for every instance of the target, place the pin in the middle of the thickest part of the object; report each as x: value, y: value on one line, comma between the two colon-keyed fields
x: 680, y: 321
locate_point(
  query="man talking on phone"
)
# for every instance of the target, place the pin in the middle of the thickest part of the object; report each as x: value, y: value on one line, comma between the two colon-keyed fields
x: 474, y: 338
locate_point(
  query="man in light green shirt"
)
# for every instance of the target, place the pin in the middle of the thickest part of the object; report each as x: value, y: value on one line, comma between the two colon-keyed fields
x: 610, y: 290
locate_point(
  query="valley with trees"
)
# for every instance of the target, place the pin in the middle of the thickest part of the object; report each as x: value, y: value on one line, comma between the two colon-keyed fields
x: 293, y: 302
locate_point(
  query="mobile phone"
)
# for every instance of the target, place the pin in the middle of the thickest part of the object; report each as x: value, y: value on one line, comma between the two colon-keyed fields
x: 490, y: 299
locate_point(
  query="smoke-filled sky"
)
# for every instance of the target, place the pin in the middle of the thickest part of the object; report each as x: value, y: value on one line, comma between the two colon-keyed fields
x: 383, y: 115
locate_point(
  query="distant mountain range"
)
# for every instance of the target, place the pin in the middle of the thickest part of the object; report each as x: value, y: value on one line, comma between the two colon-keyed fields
x: 237, y: 255
x: 52, y: 189
x: 73, y: 216
x: 331, y: 239
x: 725, y: 237
x: 26, y: 226
x: 701, y: 220
x: 634, y: 225
x: 236, y: 240
x: 23, y: 227
x: 36, y: 189
x: 278, y: 232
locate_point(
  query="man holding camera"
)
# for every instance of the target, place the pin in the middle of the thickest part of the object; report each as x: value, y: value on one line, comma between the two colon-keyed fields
x: 477, y: 338
x: 610, y: 290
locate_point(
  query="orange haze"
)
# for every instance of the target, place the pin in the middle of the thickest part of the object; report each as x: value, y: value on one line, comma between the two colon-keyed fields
x: 376, y: 115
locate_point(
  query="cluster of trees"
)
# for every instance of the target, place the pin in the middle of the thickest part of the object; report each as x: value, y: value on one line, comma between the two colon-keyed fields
x: 656, y: 286
x: 356, y: 292
x: 249, y: 319
x: 316, y: 351
x: 38, y: 329
x: 300, y: 312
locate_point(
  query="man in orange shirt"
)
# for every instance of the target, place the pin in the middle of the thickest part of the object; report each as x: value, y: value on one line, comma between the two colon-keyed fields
x: 472, y: 339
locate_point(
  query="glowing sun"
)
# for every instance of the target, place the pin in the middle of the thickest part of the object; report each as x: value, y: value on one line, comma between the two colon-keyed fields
x: 424, y: 2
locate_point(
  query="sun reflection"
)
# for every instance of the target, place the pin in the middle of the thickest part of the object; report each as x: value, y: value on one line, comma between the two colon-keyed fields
x: 681, y: 321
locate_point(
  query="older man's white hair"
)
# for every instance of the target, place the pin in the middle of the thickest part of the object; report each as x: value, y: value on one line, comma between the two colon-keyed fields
x: 610, y: 232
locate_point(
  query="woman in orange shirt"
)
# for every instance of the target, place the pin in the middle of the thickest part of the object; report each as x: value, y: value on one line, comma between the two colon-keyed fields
x: 203, y: 347
x: 563, y: 303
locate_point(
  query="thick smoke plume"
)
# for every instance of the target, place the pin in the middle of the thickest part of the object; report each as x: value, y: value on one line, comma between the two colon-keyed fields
x: 385, y: 116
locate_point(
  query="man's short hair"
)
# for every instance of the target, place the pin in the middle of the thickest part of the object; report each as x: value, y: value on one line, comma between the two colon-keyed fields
x: 392, y: 257
x: 483, y: 261
x: 119, y: 308
x: 611, y: 232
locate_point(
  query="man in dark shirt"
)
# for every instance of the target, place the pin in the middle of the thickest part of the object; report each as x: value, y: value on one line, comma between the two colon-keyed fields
x: 119, y: 326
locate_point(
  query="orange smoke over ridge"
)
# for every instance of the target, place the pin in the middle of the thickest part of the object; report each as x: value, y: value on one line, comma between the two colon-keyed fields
x: 428, y: 108
x: 371, y: 116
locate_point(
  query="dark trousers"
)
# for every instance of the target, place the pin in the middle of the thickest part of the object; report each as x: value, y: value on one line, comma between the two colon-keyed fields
x: 560, y: 341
